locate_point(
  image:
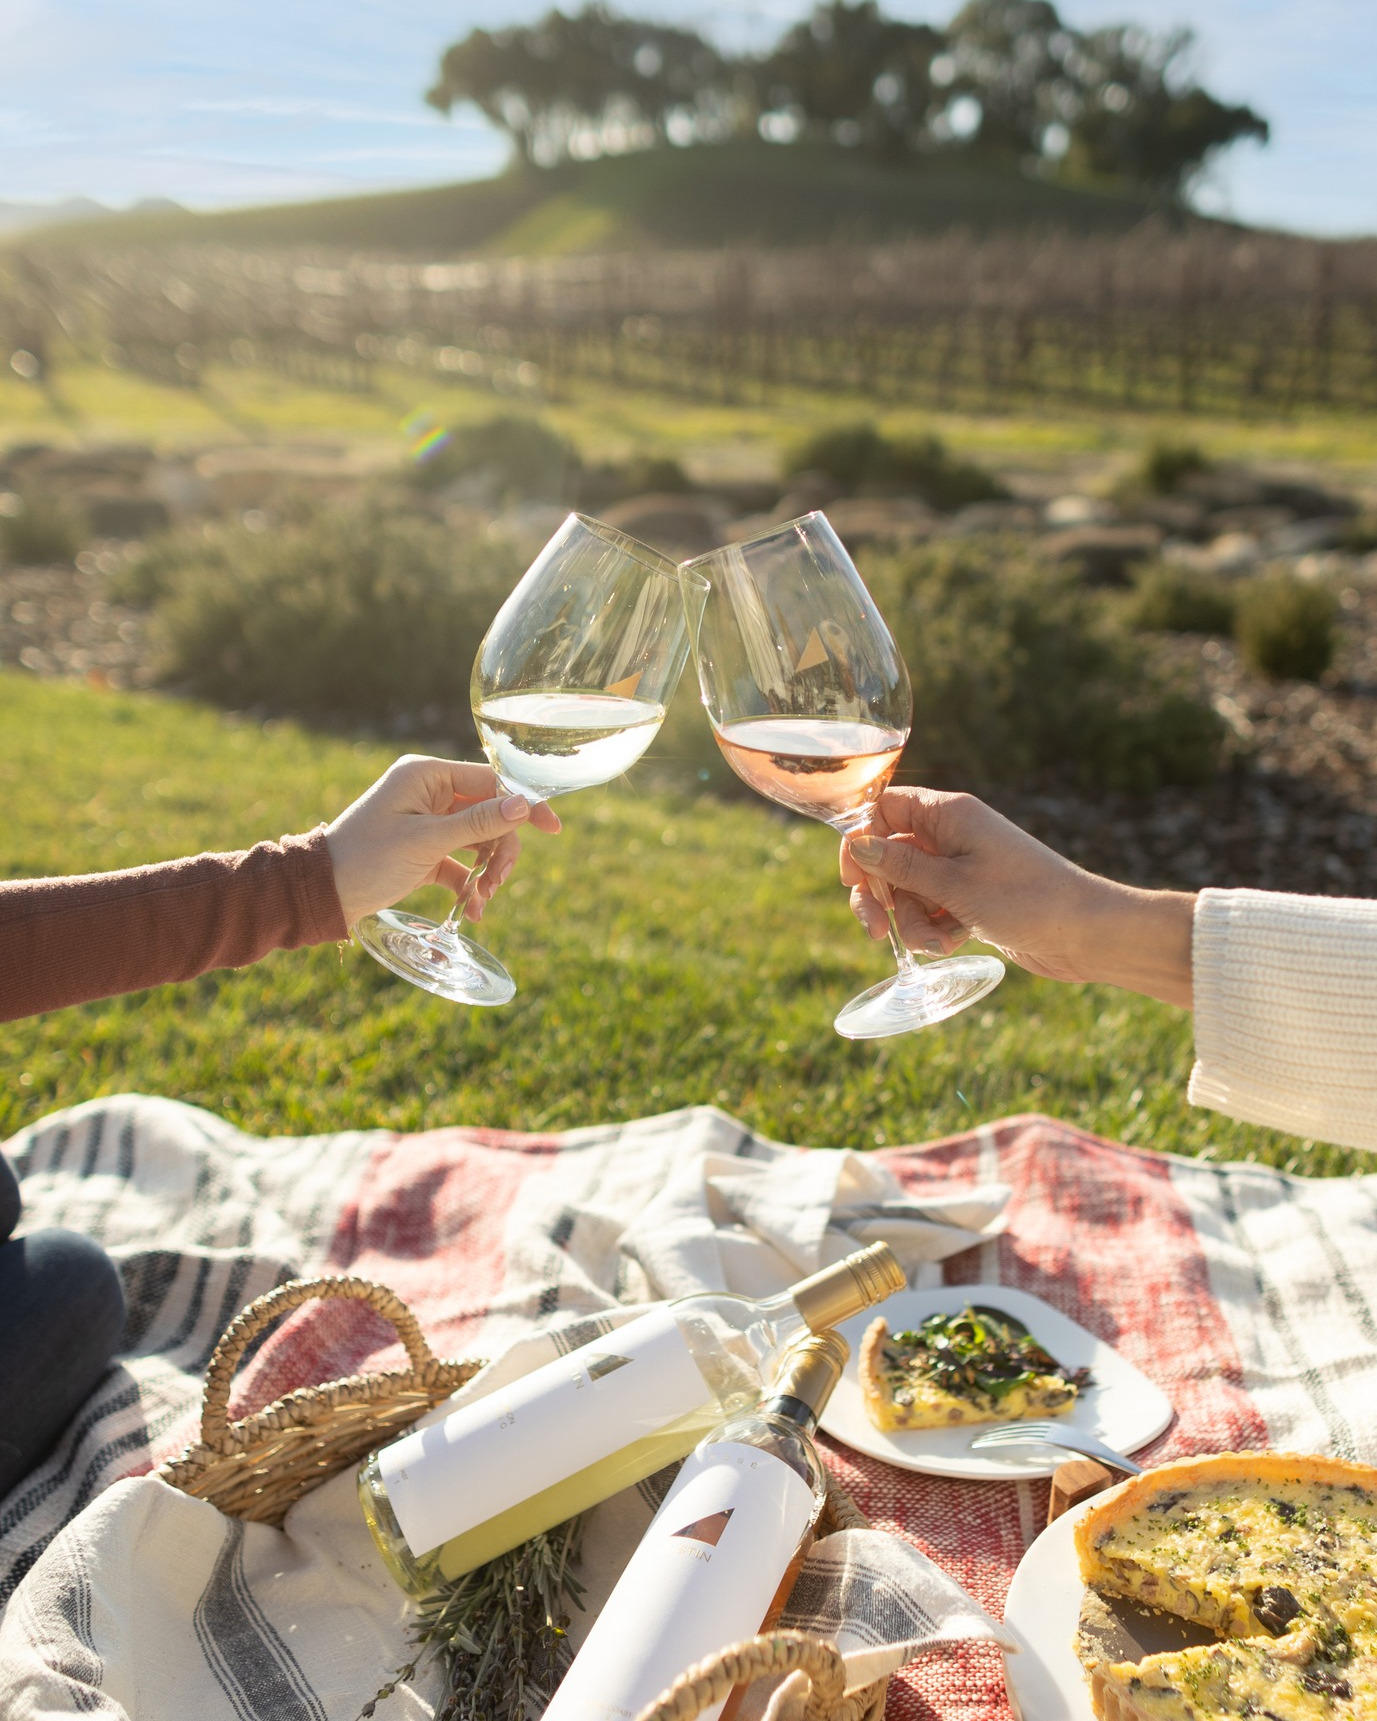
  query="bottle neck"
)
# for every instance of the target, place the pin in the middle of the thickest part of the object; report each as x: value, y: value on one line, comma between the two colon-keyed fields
x: 785, y: 1407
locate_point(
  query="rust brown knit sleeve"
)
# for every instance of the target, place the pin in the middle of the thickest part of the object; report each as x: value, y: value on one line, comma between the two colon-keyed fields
x: 68, y: 940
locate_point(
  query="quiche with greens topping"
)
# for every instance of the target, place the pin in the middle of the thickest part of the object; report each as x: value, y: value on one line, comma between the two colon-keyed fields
x: 980, y: 1365
x: 1274, y: 1553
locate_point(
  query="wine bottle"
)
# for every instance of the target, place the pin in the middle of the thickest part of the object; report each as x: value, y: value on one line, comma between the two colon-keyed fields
x: 444, y: 1499
x: 722, y: 1553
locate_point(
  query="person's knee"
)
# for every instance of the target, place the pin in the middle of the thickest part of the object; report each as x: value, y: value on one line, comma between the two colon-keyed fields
x: 9, y: 1198
x: 64, y: 1291
x: 63, y: 1312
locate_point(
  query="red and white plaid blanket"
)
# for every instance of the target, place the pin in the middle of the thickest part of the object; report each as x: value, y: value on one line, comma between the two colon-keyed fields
x: 1248, y: 1295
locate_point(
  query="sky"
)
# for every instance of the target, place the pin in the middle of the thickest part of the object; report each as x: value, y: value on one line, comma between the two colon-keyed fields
x: 255, y: 101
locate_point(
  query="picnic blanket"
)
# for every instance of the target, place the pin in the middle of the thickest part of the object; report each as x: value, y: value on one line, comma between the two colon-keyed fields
x: 1248, y: 1295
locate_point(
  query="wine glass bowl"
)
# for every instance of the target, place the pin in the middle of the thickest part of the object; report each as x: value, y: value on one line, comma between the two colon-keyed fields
x: 810, y: 704
x: 568, y: 689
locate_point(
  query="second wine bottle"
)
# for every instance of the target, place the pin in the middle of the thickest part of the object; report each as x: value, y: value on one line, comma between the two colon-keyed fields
x: 721, y: 1555
x: 452, y: 1496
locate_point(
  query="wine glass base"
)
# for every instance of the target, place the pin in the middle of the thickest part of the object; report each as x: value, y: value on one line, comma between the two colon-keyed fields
x: 916, y: 999
x: 434, y: 959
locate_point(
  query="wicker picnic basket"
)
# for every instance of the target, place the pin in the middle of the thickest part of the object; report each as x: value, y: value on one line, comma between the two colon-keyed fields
x: 259, y: 1466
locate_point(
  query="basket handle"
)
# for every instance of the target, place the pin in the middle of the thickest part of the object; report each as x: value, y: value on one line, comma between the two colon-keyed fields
x: 759, y: 1657
x: 217, y: 1430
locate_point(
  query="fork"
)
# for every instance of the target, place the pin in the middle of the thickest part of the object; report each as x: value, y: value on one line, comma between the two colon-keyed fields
x: 1050, y: 1434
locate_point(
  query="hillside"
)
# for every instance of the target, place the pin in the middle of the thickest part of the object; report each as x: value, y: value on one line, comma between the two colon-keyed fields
x: 729, y: 194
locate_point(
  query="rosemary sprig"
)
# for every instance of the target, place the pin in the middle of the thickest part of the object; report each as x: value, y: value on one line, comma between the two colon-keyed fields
x: 499, y: 1631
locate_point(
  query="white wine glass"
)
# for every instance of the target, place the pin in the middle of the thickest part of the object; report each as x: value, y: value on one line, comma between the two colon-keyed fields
x: 810, y: 702
x: 569, y: 688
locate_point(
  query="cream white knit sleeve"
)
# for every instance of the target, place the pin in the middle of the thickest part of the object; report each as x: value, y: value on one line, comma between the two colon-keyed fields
x: 1286, y: 1012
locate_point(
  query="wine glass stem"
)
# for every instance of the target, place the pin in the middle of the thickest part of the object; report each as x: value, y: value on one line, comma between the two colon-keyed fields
x: 448, y: 929
x: 903, y: 956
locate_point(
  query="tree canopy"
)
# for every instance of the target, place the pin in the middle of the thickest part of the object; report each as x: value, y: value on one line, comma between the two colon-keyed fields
x: 1005, y: 80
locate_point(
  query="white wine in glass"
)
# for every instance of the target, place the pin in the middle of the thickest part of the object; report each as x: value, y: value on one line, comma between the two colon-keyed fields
x: 810, y: 703
x: 569, y: 688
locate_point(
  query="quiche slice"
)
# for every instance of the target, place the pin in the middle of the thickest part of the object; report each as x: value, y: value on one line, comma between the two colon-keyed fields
x: 980, y: 1365
x: 1273, y: 1552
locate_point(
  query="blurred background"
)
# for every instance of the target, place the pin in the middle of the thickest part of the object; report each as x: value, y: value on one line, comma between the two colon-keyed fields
x: 315, y: 320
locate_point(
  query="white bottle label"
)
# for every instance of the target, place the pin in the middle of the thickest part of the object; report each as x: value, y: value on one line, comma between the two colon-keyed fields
x: 553, y: 1422
x: 702, y: 1578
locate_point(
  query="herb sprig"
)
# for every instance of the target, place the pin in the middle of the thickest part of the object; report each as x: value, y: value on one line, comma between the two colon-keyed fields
x: 982, y: 1350
x: 499, y: 1631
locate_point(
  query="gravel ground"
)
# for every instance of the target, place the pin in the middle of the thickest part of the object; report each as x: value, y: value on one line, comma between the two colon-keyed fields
x: 58, y: 622
x: 1296, y: 810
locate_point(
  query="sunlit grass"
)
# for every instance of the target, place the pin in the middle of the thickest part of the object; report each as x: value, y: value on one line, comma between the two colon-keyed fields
x: 668, y: 951
x: 741, y: 437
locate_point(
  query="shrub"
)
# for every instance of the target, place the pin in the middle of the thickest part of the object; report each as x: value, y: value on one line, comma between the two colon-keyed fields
x: 859, y: 458
x: 642, y: 475
x: 1171, y: 599
x: 1359, y: 535
x: 1165, y: 464
x: 359, y: 613
x: 1287, y: 627
x: 1018, y: 670
x: 507, y: 459
x: 37, y: 529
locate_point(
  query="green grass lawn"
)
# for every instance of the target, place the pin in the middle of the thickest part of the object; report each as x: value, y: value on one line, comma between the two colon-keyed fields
x: 718, y: 440
x: 668, y: 951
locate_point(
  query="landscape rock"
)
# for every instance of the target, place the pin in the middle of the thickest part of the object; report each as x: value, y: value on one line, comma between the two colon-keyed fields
x: 1103, y: 555
x: 530, y: 525
x: 676, y: 525
x: 1261, y: 522
x: 1224, y: 487
x: 979, y: 517
x: 1233, y: 553
x: 805, y: 492
x: 1177, y: 516
x: 1302, y: 536
x: 887, y: 521
x: 1064, y: 511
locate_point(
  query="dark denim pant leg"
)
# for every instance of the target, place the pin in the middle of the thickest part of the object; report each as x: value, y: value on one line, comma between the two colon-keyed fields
x: 9, y: 1198
x: 61, y: 1316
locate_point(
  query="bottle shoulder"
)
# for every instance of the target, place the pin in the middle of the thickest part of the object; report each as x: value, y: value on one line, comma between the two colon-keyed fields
x: 781, y: 1438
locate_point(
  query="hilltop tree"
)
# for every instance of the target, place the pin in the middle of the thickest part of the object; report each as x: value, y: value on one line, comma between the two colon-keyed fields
x: 1142, y: 120
x: 593, y: 82
x: 1006, y: 80
x: 852, y: 75
x: 1115, y: 104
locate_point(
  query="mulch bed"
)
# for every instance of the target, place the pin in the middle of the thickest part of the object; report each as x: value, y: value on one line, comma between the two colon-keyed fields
x: 1296, y: 809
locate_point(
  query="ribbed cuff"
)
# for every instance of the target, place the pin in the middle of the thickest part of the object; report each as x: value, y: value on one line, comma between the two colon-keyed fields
x: 317, y: 915
x: 1286, y: 1012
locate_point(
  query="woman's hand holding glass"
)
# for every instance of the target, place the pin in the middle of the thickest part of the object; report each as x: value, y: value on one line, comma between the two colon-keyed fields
x: 401, y: 833
x: 568, y: 689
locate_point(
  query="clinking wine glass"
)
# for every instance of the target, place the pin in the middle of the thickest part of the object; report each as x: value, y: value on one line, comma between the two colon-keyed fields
x: 810, y: 702
x: 569, y: 688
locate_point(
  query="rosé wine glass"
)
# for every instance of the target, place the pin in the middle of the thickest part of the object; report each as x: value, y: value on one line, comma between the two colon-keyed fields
x: 810, y: 703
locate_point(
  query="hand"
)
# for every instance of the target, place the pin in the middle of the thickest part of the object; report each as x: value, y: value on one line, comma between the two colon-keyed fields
x: 398, y: 835
x: 954, y: 867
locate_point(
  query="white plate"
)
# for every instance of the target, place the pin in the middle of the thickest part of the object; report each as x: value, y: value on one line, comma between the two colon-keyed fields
x: 1044, y: 1679
x: 1122, y: 1406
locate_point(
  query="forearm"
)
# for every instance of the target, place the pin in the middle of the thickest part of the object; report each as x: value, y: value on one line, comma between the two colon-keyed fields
x: 69, y: 940
x: 1138, y: 939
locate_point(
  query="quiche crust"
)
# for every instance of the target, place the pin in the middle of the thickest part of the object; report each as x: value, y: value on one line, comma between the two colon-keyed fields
x: 1276, y: 1553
